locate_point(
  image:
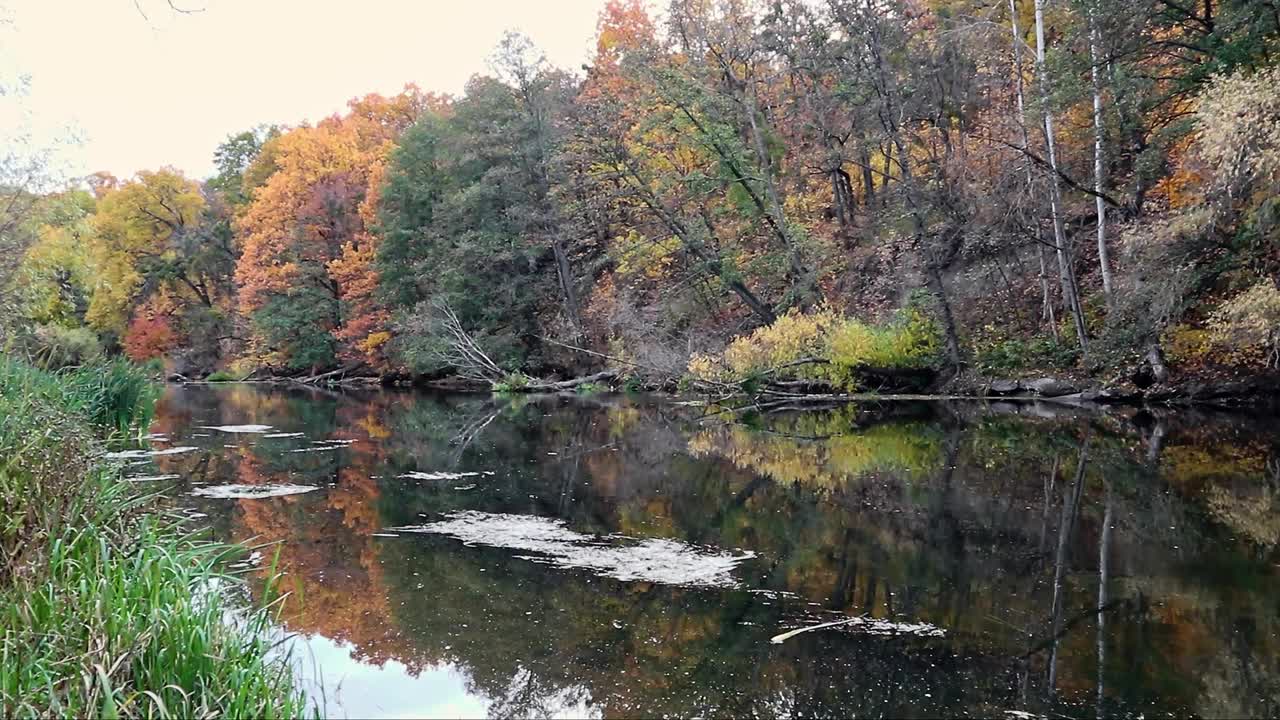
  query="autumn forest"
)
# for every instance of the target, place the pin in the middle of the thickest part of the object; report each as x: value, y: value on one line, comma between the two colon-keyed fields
x: 729, y: 189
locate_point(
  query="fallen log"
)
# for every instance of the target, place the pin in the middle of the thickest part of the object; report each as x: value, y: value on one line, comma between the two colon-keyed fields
x: 543, y: 386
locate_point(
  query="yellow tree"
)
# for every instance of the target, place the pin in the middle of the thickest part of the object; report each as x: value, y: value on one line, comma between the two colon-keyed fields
x: 142, y: 233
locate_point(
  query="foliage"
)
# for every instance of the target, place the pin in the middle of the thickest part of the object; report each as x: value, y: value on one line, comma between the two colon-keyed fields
x: 1011, y: 354
x: 1248, y: 325
x: 56, y: 346
x: 140, y: 232
x: 824, y: 346
x: 74, y: 544
x: 305, y: 237
x: 150, y: 335
x: 737, y: 168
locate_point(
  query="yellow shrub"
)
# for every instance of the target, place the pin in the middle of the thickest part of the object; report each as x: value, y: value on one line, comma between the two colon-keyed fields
x: 1186, y: 345
x: 709, y: 368
x: 845, y: 344
x: 636, y: 255
x: 911, y: 342
x: 792, y: 337
x: 1246, y: 328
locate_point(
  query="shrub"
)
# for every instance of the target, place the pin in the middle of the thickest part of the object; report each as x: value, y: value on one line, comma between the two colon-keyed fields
x: 57, y: 346
x: 911, y: 341
x: 790, y: 338
x: 839, y: 348
x: 1246, y: 328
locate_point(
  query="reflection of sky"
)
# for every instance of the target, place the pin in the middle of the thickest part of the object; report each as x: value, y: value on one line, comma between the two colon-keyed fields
x: 361, y: 690
x: 356, y: 689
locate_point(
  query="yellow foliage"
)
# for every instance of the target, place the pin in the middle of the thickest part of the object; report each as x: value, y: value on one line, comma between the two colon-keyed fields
x: 140, y: 219
x: 1247, y: 327
x: 637, y: 255
x: 825, y: 463
x: 841, y: 346
x: 1184, y: 344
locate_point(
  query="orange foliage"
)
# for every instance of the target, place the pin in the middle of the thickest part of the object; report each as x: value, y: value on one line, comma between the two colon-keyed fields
x: 311, y: 218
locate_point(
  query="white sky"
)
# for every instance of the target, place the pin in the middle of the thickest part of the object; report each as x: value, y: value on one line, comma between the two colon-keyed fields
x: 167, y: 88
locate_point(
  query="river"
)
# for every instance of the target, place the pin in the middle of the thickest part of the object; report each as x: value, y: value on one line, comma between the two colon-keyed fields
x: 622, y: 556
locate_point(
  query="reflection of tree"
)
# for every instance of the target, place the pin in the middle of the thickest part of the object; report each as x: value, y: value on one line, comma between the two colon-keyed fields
x: 797, y: 452
x: 992, y: 527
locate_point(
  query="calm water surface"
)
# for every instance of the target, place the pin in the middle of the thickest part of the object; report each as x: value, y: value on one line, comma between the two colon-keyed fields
x: 615, y: 556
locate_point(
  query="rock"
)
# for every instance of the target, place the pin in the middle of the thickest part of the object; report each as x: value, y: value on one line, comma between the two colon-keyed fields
x: 1004, y: 387
x: 1050, y: 387
x: 1097, y: 394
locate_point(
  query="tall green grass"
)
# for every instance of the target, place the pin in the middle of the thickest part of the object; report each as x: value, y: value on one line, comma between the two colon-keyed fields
x: 106, y: 609
x: 111, y: 396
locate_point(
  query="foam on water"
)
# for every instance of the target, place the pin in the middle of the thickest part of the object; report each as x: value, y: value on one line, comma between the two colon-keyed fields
x: 623, y: 558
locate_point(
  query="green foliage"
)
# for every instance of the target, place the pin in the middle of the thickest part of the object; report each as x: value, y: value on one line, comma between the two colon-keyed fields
x: 911, y: 341
x: 1011, y: 354
x: 513, y: 383
x: 113, y: 395
x: 105, y: 611
x: 591, y: 389
x: 297, y: 327
x: 57, y: 346
x: 234, y: 157
x: 223, y: 376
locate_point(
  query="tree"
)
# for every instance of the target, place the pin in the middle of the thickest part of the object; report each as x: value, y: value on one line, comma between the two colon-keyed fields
x: 147, y: 235
x: 307, y: 255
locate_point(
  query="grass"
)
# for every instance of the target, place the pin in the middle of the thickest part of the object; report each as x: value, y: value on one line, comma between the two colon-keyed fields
x: 107, y: 609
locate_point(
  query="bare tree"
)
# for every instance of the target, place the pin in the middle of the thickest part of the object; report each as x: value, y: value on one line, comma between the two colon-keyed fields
x: 1061, y: 241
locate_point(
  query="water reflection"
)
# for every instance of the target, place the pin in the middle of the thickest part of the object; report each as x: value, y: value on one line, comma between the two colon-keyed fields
x: 1078, y: 564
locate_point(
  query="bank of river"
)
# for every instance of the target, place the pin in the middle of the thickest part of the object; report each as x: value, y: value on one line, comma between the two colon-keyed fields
x: 613, y: 556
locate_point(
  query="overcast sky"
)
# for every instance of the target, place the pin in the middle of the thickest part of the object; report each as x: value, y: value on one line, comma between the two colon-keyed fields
x: 154, y: 87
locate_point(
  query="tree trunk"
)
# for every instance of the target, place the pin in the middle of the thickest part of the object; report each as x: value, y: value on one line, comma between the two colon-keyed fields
x: 868, y: 180
x: 1066, y: 267
x: 695, y: 248
x: 565, y: 274
x: 1099, y: 182
x: 771, y: 192
x: 950, y: 336
x: 932, y: 265
x: 1070, y: 509
x: 1046, y: 297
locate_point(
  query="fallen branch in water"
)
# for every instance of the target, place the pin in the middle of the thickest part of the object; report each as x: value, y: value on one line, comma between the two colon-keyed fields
x: 778, y: 639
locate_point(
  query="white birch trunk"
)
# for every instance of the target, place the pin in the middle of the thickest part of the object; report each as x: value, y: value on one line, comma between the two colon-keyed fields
x: 1099, y: 180
x: 1062, y: 243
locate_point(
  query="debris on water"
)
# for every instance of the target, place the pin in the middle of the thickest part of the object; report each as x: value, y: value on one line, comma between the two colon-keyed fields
x: 440, y: 475
x: 238, y: 428
x: 150, y: 478
x: 150, y: 453
x: 251, y: 491
x: 254, y: 559
x: 384, y: 535
x: 870, y: 626
x: 773, y: 593
x: 472, y: 486
x: 317, y: 448
x: 669, y: 562
x: 283, y: 435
